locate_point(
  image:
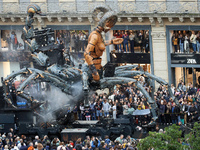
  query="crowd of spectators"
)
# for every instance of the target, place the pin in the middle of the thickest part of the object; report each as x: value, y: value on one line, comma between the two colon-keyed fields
x: 77, y: 40
x: 11, y: 141
x: 12, y: 41
x: 125, y: 99
x: 185, y: 41
x: 133, y: 40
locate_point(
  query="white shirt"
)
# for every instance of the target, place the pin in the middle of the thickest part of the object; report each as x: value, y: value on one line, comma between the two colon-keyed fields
x: 193, y: 39
x: 82, y: 109
x: 106, y: 106
x: 82, y: 37
x: 131, y: 37
x: 61, y: 147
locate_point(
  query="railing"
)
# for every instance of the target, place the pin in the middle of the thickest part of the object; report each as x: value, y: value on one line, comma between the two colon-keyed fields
x: 118, y: 6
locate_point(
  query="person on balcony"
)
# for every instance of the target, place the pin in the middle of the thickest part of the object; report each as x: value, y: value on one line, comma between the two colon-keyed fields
x: 132, y: 41
x: 126, y: 39
x: 193, y: 41
x: 198, y: 42
x: 175, y: 42
x: 181, y: 43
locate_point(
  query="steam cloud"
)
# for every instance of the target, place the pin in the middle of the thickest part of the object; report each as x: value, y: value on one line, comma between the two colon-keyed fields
x: 55, y: 100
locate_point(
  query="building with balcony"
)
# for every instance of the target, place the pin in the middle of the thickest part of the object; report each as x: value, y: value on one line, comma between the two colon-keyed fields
x: 164, y: 21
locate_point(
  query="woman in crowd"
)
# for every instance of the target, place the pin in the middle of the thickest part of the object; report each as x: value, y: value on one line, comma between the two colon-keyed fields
x: 125, y: 42
x: 193, y: 41
x: 132, y: 38
x: 175, y: 42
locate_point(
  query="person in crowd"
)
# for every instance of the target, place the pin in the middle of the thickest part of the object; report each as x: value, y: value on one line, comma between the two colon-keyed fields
x: 76, y: 42
x: 82, y: 109
x: 87, y: 114
x: 198, y: 42
x: 125, y: 42
x: 168, y: 112
x: 119, y: 109
x: 12, y: 38
x: 82, y: 40
x: 132, y: 40
x: 86, y: 39
x: 6, y: 147
x: 181, y: 43
x: 15, y: 42
x: 141, y: 40
x: 191, y: 90
x: 120, y: 139
x: 60, y: 57
x: 175, y: 42
x: 146, y: 41
x: 114, y: 109
x: 162, y: 112
x: 187, y: 43
x: 8, y: 40
x: 39, y: 146
x: 37, y: 140
x: 193, y: 41
x: 75, y: 112
x: 61, y: 146
x: 192, y: 113
x: 95, y: 142
x: 174, y: 115
x: 72, y: 41
x: 98, y: 109
x: 93, y: 110
x: 20, y: 47
x: 119, y: 35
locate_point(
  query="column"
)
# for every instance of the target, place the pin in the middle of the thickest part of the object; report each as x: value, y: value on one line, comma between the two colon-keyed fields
x: 159, y: 53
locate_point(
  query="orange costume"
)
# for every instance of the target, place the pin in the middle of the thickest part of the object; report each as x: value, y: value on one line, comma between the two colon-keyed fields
x: 96, y: 45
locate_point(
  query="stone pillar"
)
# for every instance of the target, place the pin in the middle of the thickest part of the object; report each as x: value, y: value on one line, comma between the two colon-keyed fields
x: 159, y: 53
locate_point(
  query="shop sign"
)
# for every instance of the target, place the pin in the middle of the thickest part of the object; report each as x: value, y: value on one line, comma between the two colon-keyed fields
x: 191, y: 61
x: 185, y: 58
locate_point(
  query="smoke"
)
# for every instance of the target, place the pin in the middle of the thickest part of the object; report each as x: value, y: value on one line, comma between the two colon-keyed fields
x: 55, y: 100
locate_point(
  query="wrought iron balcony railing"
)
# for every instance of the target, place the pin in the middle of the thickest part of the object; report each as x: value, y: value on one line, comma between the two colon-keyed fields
x: 118, y: 6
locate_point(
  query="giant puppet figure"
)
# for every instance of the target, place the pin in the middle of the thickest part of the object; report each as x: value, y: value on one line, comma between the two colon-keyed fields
x: 96, y: 45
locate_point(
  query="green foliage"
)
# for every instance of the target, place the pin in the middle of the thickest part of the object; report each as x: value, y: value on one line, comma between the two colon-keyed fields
x: 163, y: 141
x: 193, y: 138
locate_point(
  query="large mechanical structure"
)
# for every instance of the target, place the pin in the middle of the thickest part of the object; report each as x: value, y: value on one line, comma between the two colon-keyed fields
x: 68, y: 76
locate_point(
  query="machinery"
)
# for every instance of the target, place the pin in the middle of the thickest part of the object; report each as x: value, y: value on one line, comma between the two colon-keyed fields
x: 74, y: 79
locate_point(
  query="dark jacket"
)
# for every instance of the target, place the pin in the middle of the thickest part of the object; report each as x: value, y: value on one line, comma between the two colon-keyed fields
x: 162, y: 109
x: 175, y: 112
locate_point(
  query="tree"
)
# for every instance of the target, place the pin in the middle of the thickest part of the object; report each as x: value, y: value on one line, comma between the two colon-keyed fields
x: 170, y: 140
x: 193, y: 138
